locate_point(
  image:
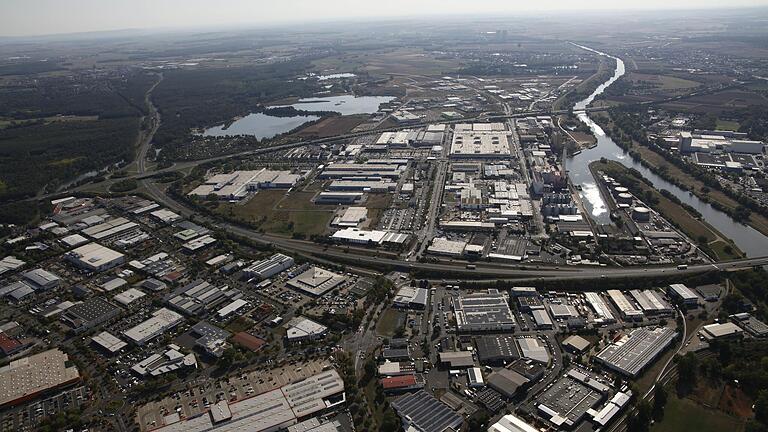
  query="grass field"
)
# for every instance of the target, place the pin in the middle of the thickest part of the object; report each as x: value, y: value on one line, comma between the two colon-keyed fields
x: 727, y: 125
x: 281, y: 214
x: 664, y: 82
x: 683, y: 415
x: 331, y: 126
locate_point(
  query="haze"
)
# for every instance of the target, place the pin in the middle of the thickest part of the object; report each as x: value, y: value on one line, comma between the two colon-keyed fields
x: 37, y: 17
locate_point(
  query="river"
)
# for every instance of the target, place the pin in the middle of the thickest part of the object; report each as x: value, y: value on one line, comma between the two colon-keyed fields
x: 749, y: 240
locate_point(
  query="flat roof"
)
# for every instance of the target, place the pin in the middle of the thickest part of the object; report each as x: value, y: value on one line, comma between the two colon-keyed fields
x: 29, y: 376
x: 301, y: 327
x: 316, y: 281
x: 425, y: 413
x: 484, y: 311
x: 109, y: 342
x: 633, y: 353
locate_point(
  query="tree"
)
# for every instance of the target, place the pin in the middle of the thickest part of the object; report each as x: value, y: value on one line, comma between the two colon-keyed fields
x: 761, y: 407
x: 687, y: 369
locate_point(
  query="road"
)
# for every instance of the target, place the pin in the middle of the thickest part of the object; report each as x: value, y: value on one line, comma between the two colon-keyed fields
x: 154, y: 124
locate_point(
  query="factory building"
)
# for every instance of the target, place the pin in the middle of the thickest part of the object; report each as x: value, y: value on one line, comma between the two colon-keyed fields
x: 161, y: 321
x: 269, y: 267
x: 238, y: 184
x: 632, y: 353
x: 683, y: 294
x: 91, y: 313
x: 625, y: 307
x: 484, y: 312
x: 411, y: 298
x: 95, y: 257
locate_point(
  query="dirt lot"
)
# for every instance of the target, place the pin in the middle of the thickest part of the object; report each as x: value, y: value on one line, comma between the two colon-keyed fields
x: 331, y: 126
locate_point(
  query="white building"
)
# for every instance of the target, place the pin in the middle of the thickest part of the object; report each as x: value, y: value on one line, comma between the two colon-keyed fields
x: 95, y: 257
x: 161, y: 321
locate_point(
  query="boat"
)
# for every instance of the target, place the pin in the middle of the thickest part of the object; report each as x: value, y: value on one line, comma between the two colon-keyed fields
x: 577, y: 152
x: 592, y: 146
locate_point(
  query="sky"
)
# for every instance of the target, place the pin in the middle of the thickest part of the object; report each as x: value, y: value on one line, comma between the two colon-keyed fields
x: 39, y: 17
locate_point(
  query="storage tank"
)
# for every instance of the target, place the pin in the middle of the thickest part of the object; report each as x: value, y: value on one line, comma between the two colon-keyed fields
x: 641, y: 214
x: 620, y: 190
x: 624, y: 198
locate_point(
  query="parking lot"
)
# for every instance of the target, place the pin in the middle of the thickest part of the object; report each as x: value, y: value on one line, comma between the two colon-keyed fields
x: 27, y: 417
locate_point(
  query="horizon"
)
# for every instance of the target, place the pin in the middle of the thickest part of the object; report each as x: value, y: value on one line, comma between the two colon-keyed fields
x: 61, y: 19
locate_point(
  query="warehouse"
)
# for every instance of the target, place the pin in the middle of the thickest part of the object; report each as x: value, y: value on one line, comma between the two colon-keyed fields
x: 402, y: 383
x: 129, y: 296
x: 95, y: 257
x: 338, y: 197
x: 576, y: 344
x: 40, y: 279
x: 500, y: 349
x: 27, y: 378
x: 752, y: 325
x: 109, y: 342
x: 411, y: 298
x: 532, y: 348
x: 457, y: 359
x: 422, y: 412
x: 718, y: 331
x: 542, y: 319
x: 558, y: 404
x: 199, y: 297
x: 475, y: 377
x: 443, y: 246
x: 627, y: 310
x: 351, y: 217
x: 683, y: 294
x: 89, y: 314
x: 269, y: 267
x: 507, y: 382
x: 238, y: 184
x: 484, y: 312
x: 602, y: 312
x: 563, y: 311
x: 651, y: 302
x: 633, y: 353
x: 300, y: 329
x: 511, y: 423
x: 316, y: 281
x: 110, y: 229
x: 362, y: 184
x: 161, y: 321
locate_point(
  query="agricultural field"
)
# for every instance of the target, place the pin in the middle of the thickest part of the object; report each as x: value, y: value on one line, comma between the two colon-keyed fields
x: 683, y: 415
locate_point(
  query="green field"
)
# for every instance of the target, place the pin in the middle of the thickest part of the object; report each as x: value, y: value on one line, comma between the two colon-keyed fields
x: 727, y: 125
x: 278, y: 213
x: 389, y: 322
x: 683, y: 415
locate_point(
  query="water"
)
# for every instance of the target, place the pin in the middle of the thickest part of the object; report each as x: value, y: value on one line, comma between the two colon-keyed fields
x: 259, y: 125
x: 344, y: 105
x: 749, y: 240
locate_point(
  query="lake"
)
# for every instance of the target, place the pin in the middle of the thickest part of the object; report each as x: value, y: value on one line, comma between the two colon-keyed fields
x: 344, y: 105
x: 259, y: 125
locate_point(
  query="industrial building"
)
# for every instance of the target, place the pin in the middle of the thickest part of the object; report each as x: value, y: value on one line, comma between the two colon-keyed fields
x: 338, y: 197
x: 497, y: 349
x: 632, y: 353
x: 316, y: 281
x: 109, y: 342
x: 651, y: 302
x: 272, y: 411
x: 532, y: 348
x: 561, y: 408
x: 89, y: 314
x: 575, y: 344
x: 423, y: 413
x: 269, y: 267
x: 300, y: 329
x: 168, y: 361
x: 625, y: 307
x: 369, y: 237
x: 29, y: 377
x: 507, y: 382
x: 511, y: 423
x: 199, y: 297
x: 716, y: 331
x: 480, y: 142
x: 484, y: 312
x: 411, y: 298
x: 402, y: 383
x: 457, y: 359
x: 350, y: 217
x: 10, y: 263
x: 752, y: 325
x: 238, y: 184
x: 95, y: 257
x: 683, y: 294
x: 443, y: 246
x: 161, y: 321
x: 602, y: 312
x: 41, y: 280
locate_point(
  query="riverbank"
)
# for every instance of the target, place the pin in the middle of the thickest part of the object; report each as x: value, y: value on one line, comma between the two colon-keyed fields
x: 657, y: 163
x: 709, y: 239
